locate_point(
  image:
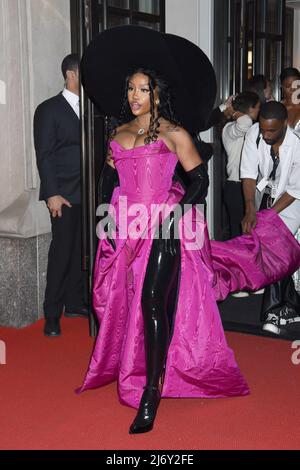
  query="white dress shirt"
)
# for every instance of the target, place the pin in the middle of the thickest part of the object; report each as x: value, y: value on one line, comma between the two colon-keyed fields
x: 256, y: 163
x: 233, y: 137
x: 72, y: 99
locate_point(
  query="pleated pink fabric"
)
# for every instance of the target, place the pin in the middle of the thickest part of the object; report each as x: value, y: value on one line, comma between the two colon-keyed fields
x: 251, y: 262
x: 199, y: 361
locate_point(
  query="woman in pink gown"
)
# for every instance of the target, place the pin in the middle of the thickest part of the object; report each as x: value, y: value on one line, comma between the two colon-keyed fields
x: 156, y: 278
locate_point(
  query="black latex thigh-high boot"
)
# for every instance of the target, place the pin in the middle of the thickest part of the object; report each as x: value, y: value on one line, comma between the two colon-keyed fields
x: 160, y: 278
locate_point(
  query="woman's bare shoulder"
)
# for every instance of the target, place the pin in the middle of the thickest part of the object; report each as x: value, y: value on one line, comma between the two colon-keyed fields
x: 167, y: 126
x: 174, y: 132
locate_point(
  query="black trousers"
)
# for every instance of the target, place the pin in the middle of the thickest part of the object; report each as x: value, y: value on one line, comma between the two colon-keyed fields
x: 234, y: 202
x: 280, y: 293
x: 64, y: 276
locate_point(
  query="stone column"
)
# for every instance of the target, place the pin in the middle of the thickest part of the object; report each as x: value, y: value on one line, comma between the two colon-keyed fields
x: 34, y: 38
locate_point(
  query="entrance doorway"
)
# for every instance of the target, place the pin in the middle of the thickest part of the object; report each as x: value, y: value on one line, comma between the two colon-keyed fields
x: 250, y: 37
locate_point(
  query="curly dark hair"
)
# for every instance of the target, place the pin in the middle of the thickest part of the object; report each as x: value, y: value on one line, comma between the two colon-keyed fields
x: 164, y: 108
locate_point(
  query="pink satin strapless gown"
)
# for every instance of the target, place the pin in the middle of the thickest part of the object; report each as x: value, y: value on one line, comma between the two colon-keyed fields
x: 199, y: 361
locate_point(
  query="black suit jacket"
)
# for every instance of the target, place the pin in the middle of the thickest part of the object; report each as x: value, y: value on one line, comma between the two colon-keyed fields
x: 57, y: 146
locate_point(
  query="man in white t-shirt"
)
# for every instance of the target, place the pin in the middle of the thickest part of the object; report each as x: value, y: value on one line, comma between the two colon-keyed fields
x: 270, y: 172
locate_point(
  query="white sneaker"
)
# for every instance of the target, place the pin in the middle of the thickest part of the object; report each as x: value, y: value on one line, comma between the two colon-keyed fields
x: 240, y: 294
x: 272, y: 323
x: 258, y: 292
x: 288, y: 315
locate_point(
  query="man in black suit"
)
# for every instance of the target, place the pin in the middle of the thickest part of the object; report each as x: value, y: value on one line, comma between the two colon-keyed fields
x: 57, y: 145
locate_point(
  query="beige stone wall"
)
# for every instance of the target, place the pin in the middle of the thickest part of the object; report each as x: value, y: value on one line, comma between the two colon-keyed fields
x: 33, y: 40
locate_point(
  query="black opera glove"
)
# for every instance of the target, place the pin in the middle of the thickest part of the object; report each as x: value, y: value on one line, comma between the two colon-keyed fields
x: 108, y: 181
x: 109, y: 226
x: 168, y: 230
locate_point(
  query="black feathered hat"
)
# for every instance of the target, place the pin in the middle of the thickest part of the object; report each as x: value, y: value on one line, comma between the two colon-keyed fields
x: 116, y: 52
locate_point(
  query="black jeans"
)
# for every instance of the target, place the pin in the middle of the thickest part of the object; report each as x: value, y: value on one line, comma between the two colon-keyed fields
x: 280, y: 293
x: 64, y: 276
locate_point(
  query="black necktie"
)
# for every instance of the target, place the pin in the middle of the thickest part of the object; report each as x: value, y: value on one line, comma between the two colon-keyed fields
x: 275, y: 159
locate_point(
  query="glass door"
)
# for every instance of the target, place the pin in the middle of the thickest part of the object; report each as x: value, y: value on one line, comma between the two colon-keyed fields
x: 256, y: 34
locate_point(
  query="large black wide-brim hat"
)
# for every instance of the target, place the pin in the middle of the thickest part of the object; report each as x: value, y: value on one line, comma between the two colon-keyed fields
x: 117, y: 52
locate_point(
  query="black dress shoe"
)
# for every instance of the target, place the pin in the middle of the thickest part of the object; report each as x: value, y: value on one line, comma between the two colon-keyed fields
x: 77, y: 312
x: 145, y: 417
x: 52, y: 327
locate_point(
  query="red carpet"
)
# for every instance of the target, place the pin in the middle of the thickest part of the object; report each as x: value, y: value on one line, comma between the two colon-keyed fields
x: 39, y: 409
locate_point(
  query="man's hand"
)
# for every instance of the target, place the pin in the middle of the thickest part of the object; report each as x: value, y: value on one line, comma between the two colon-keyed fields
x: 229, y: 112
x: 229, y: 100
x: 55, y: 204
x: 249, y: 221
